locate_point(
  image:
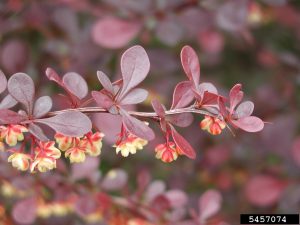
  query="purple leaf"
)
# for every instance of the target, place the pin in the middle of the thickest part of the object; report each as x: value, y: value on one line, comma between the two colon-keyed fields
x: 207, y: 87
x: 8, y: 102
x: 75, y: 84
x: 42, y: 106
x: 181, y: 120
x: 36, y: 131
x: 235, y: 96
x: 86, y: 169
x: 24, y: 211
x: 209, y: 204
x: 210, y: 98
x: 221, y: 103
x: 135, y: 96
x: 73, y: 123
x: 190, y: 64
x: 135, y: 66
x: 105, y: 81
x: 249, y: 123
x: 114, y: 33
x: 177, y: 198
x: 158, y: 108
x: 52, y: 75
x: 183, y: 95
x: 3, y: 82
x: 114, y: 180
x: 184, y: 146
x: 21, y: 87
x: 136, y: 127
x: 244, y: 109
x: 155, y: 189
x: 10, y: 117
x: 102, y: 100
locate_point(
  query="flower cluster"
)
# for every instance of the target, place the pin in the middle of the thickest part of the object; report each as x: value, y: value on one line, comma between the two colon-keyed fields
x: 167, y: 152
x: 130, y: 145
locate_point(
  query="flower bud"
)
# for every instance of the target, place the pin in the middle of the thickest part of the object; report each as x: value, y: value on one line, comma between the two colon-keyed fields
x: 64, y: 142
x: 19, y: 161
x: 77, y: 152
x: 167, y: 152
x: 43, y: 164
x: 93, y: 143
x: 213, y: 125
x: 12, y: 134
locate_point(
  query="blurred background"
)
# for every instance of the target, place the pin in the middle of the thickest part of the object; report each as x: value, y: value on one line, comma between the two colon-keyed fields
x: 255, y: 43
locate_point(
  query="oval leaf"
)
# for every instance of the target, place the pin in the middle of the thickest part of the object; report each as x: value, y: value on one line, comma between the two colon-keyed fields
x: 42, y: 106
x: 74, y: 124
x: 209, y: 204
x: 36, y: 131
x: 190, y: 64
x: 114, y: 33
x: 75, y: 84
x: 136, y: 127
x: 181, y: 120
x: 244, y: 109
x: 105, y: 81
x: 52, y: 75
x: 3, y: 82
x: 21, y: 87
x: 8, y: 102
x: 235, y: 96
x: 249, y: 123
x: 135, y: 96
x: 135, y: 66
x: 182, y: 95
x: 10, y: 117
x: 158, y: 108
x: 177, y: 198
x: 102, y: 100
x: 184, y: 146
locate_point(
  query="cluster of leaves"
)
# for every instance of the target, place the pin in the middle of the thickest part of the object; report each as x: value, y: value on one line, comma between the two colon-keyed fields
x: 189, y: 97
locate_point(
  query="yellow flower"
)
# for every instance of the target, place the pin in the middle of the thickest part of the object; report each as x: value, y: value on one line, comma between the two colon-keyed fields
x: 213, y: 125
x: 48, y: 148
x: 93, y: 143
x: 77, y: 152
x: 64, y: 142
x: 12, y: 134
x: 167, y: 152
x: 19, y: 161
x: 43, y: 164
x: 130, y: 145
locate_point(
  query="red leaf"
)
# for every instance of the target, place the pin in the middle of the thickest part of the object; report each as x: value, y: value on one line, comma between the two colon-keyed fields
x: 114, y: 33
x: 244, y: 109
x: 136, y: 127
x: 102, y: 100
x: 42, y: 106
x: 74, y: 124
x: 10, y: 117
x: 106, y: 83
x: 36, y: 131
x: 209, y: 204
x: 184, y: 146
x: 182, y: 95
x: 264, y: 190
x: 135, y: 96
x: 155, y: 189
x: 207, y: 87
x: 235, y: 96
x: 135, y: 66
x: 249, y: 123
x: 210, y: 98
x: 223, y: 110
x: 24, y: 211
x: 52, y: 75
x: 177, y: 198
x: 158, y: 108
x: 21, y: 87
x: 75, y: 84
x: 181, y: 120
x: 8, y: 102
x: 190, y: 64
x: 3, y: 82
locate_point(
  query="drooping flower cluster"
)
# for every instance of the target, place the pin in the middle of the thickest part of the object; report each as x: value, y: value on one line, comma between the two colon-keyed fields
x: 130, y: 145
x: 167, y: 152
x: 213, y: 125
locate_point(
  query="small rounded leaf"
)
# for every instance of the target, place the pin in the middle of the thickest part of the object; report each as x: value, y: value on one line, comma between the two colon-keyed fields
x: 75, y: 84
x: 24, y: 211
x: 8, y: 102
x: 42, y: 106
x: 249, y: 124
x: 244, y: 109
x: 209, y: 204
x: 3, y: 82
x: 21, y: 87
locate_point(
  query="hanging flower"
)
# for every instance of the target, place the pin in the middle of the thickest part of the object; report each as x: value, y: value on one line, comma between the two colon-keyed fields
x: 64, y: 142
x: 167, y: 152
x: 93, y: 143
x: 20, y: 161
x: 130, y: 145
x: 45, y: 156
x: 213, y: 125
x: 12, y: 134
x: 77, y: 152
